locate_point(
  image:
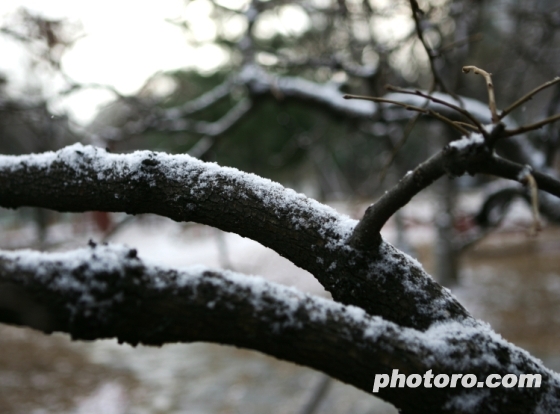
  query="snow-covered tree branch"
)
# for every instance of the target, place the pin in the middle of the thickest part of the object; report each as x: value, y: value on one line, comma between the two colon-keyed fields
x: 183, y: 188
x: 289, y: 82
x: 108, y: 292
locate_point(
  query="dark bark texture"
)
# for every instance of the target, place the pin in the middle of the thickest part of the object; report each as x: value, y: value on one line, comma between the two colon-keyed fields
x: 404, y: 319
x: 184, y: 189
x: 107, y: 292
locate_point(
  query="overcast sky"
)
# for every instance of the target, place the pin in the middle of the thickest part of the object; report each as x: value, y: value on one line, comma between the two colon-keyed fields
x: 126, y: 42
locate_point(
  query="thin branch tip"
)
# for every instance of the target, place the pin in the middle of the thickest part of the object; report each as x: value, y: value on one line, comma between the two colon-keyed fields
x: 489, y: 86
x: 529, y: 96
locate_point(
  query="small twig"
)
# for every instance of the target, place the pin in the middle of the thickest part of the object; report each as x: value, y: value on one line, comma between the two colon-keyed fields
x: 490, y: 86
x: 531, y: 127
x: 448, y: 121
x: 466, y: 124
x: 534, y: 205
x: 460, y: 110
x: 411, y: 108
x: 526, y: 177
x: 417, y: 12
x: 528, y: 96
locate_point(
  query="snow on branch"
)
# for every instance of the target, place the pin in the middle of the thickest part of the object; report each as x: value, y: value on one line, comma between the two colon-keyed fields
x: 327, y: 95
x: 108, y: 292
x: 84, y: 178
x: 313, y: 236
x: 330, y: 97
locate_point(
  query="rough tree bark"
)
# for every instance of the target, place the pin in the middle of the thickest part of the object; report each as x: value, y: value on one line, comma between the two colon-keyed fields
x: 389, y: 314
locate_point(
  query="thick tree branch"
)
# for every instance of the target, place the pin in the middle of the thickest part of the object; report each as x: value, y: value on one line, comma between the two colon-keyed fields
x: 108, y: 292
x: 382, y: 280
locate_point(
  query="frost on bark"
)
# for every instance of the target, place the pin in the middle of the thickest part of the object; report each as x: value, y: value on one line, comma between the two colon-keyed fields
x: 387, y: 314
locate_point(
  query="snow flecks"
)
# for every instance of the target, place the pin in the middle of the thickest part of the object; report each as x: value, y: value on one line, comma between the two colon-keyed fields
x: 474, y: 139
x: 414, y: 279
x: 524, y: 173
x: 196, y: 180
x: 452, y: 346
x: 291, y: 308
x: 77, y: 272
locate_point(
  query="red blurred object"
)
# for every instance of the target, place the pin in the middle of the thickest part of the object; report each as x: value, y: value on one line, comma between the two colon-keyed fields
x: 102, y: 220
x: 464, y: 223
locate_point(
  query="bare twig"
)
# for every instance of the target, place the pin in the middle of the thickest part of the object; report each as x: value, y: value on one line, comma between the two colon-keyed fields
x: 432, y: 55
x: 528, y: 96
x: 412, y: 108
x: 460, y: 110
x: 454, y: 161
x: 490, y: 86
x: 466, y: 124
x: 534, y: 205
x: 531, y: 127
x: 525, y: 176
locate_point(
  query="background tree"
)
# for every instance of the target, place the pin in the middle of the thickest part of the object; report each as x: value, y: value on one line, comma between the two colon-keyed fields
x: 423, y: 327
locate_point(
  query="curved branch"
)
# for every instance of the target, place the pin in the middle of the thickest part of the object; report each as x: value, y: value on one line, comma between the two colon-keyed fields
x: 108, y: 292
x: 366, y: 232
x: 311, y: 235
